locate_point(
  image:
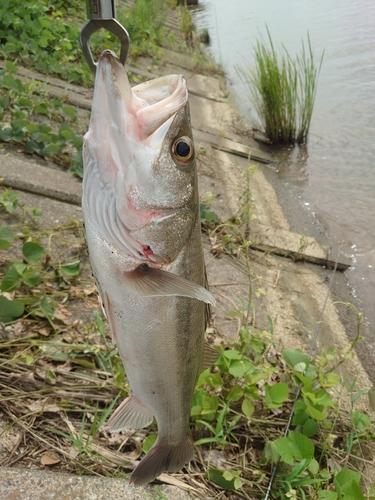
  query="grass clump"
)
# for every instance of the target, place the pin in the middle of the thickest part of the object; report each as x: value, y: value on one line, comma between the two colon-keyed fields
x: 282, y: 90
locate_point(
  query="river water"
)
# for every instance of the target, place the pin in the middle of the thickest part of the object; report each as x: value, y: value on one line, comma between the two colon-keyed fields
x: 332, y: 179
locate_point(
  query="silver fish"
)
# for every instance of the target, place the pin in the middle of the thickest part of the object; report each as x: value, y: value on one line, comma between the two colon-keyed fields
x: 141, y: 211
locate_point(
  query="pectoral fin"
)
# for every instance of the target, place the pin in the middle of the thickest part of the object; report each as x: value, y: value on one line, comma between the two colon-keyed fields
x: 148, y: 282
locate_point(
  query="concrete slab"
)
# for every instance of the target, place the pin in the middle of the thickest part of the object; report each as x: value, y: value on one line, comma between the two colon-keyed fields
x: 19, y: 172
x: 296, y: 246
x: 20, y: 484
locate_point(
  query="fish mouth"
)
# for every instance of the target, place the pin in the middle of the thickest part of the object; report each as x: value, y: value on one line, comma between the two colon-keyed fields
x: 150, y: 104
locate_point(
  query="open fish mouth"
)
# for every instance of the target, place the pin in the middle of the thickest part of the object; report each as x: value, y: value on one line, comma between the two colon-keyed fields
x: 142, y: 182
x: 141, y: 113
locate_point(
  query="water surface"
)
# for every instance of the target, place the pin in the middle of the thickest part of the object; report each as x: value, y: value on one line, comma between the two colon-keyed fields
x: 333, y: 178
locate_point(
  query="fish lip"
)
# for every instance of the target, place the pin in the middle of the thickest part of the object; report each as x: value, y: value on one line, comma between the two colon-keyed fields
x: 108, y: 56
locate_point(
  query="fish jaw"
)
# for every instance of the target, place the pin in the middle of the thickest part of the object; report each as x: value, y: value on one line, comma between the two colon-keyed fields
x: 128, y: 153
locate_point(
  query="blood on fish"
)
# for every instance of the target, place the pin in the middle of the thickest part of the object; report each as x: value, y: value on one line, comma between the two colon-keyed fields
x: 147, y: 251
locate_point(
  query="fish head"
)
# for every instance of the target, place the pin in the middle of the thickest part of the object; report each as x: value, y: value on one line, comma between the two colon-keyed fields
x: 141, y: 148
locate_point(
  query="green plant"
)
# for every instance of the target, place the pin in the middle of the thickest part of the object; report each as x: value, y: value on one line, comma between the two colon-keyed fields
x: 82, y: 439
x: 186, y: 24
x: 24, y: 111
x: 206, y: 214
x: 46, y: 37
x: 282, y: 90
x: 22, y: 284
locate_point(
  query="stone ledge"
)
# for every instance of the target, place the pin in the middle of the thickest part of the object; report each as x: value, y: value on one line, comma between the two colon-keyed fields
x: 20, y: 484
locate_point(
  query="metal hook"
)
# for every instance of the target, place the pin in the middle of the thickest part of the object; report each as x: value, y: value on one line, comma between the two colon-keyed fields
x: 101, y: 14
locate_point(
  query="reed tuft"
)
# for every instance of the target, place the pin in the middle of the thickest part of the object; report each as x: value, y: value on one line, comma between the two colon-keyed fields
x: 282, y: 90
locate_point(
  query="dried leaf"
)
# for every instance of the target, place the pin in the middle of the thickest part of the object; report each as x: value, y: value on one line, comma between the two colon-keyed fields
x: 43, y: 406
x: 73, y: 452
x: 49, y: 458
x: 45, y: 331
x: 62, y: 314
x: 90, y: 290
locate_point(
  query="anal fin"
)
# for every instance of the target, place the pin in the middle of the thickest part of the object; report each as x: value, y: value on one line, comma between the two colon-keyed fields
x: 131, y: 414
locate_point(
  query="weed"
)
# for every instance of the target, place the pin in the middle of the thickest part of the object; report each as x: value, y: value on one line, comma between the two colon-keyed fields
x: 282, y: 90
x: 186, y: 24
x: 206, y: 214
x: 204, y: 36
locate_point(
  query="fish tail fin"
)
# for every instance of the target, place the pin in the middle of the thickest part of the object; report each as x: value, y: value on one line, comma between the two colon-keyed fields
x: 162, y: 457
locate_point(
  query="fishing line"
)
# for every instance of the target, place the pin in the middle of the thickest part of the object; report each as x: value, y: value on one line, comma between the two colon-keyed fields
x: 312, y: 347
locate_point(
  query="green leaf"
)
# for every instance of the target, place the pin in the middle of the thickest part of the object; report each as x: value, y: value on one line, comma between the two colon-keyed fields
x: 69, y: 111
x: 279, y: 392
x: 237, y: 481
x: 217, y: 477
x: 19, y: 124
x: 51, y: 149
x: 295, y: 447
x: 295, y: 357
x: 313, y: 466
x: 9, y: 81
x: 9, y: 200
x: 33, y: 252
x: 235, y: 393
x: 310, y: 427
x: 209, y: 404
x: 10, y: 309
x: 42, y: 108
x: 207, y: 378
x: 300, y: 414
x: 361, y: 421
x: 23, y: 102
x: 12, y: 280
x: 11, y: 67
x: 303, y: 444
x: 148, y: 442
x: 284, y: 448
x: 45, y: 23
x: 72, y: 268
x: 31, y: 277
x: 67, y: 134
x: 6, y: 134
x: 327, y: 495
x: 4, y: 102
x: 46, y: 307
x: 6, y: 237
x: 315, y: 413
x: 237, y: 369
x: 347, y: 484
x: 247, y: 408
x: 232, y: 354
x: 43, y: 42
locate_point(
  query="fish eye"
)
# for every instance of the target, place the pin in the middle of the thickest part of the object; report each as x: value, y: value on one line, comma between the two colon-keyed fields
x: 183, y: 150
